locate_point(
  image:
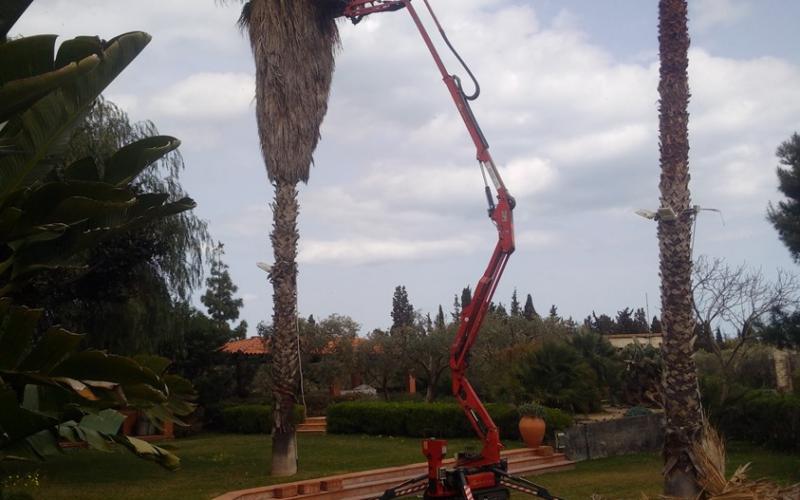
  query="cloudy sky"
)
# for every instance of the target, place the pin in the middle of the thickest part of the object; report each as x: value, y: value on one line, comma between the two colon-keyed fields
x: 569, y: 106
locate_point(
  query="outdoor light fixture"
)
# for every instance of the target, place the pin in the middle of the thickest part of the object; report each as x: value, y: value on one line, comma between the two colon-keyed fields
x: 668, y: 215
x: 664, y: 213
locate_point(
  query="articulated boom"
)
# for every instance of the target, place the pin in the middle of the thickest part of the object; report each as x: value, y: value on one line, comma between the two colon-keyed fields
x: 484, y: 471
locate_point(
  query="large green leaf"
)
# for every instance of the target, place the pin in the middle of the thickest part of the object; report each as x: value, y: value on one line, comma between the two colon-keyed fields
x: 10, y: 10
x: 106, y: 421
x: 38, y: 131
x: 77, y: 49
x: 99, y: 365
x: 31, y: 73
x: 50, y: 203
x: 26, y: 57
x: 56, y: 345
x: 17, y: 325
x: 156, y: 364
x: 150, y: 452
x: 130, y: 160
x: 17, y: 423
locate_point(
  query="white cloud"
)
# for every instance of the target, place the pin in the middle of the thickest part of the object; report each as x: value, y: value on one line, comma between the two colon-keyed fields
x: 357, y: 251
x: 172, y: 21
x: 602, y: 146
x: 206, y: 96
x: 706, y: 14
x: 535, y: 239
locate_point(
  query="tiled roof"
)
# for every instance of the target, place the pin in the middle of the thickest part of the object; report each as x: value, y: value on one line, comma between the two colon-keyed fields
x: 256, y: 346
x: 252, y: 346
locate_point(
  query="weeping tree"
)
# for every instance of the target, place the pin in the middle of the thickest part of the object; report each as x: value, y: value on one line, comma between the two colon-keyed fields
x: 681, y: 399
x: 293, y: 44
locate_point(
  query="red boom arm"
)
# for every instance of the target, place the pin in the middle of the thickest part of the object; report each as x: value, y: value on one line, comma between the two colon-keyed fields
x: 473, y: 314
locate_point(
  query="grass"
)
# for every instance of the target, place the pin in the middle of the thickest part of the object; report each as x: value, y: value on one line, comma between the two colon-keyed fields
x: 214, y: 464
x: 629, y: 476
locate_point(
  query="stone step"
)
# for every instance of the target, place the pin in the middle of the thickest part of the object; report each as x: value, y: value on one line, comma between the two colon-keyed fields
x: 313, y: 425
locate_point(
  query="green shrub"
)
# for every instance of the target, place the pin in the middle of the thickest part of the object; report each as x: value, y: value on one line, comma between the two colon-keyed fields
x: 253, y: 419
x: 556, y: 420
x: 441, y: 420
x: 556, y: 375
x: 638, y: 411
x: 762, y: 417
x: 531, y: 409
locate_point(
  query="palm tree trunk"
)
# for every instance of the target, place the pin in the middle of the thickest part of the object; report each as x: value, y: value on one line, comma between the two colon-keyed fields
x: 681, y: 398
x: 284, y: 343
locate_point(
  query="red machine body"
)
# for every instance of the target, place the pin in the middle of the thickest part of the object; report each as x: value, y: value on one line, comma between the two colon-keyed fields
x: 484, y: 471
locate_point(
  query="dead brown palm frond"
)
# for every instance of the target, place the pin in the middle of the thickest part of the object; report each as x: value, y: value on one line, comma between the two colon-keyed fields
x: 294, y: 43
x: 709, y: 457
x: 709, y: 454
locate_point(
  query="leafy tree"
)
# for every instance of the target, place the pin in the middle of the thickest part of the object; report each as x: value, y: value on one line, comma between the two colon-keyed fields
x: 219, y: 297
x: 466, y: 296
x: 782, y: 330
x: 177, y: 242
x: 737, y: 299
x: 384, y: 365
x: 515, y: 309
x: 655, y: 325
x: 786, y: 216
x: 625, y: 322
x: 402, y: 310
x: 439, y: 322
x: 555, y: 375
x: 641, y: 380
x: 553, y: 314
x: 456, y: 314
x: 328, y: 350
x: 603, y: 324
x: 427, y: 352
x: 127, y: 296
x: 640, y: 320
x: 500, y: 310
x: 529, y: 312
x: 601, y: 356
x: 718, y: 337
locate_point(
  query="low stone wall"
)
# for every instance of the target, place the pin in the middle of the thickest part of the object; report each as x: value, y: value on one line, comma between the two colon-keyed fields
x: 610, y: 438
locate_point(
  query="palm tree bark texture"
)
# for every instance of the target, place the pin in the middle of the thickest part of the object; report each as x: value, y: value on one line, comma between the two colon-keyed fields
x: 681, y: 397
x: 293, y: 43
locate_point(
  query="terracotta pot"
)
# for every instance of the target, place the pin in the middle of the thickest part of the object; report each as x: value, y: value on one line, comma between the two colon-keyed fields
x: 532, y: 431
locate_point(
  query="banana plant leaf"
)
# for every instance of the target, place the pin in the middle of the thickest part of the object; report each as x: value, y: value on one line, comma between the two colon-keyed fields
x: 10, y: 10
x: 32, y: 74
x: 69, y: 394
x: 40, y: 130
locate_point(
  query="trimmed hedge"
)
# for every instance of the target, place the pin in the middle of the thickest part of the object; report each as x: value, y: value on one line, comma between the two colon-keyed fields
x: 763, y: 417
x: 253, y: 419
x: 442, y: 420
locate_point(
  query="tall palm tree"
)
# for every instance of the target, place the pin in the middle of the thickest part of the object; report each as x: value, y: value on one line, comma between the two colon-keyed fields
x: 681, y: 398
x: 293, y: 44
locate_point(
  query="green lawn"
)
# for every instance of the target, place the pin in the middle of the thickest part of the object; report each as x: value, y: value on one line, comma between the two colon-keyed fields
x: 213, y: 464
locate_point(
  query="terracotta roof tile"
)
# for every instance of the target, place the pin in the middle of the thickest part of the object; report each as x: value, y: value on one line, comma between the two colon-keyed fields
x: 253, y: 346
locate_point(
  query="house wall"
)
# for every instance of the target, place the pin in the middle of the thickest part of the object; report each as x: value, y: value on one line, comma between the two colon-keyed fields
x: 620, y: 341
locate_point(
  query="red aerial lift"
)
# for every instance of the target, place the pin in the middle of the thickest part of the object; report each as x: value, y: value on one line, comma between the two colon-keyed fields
x: 480, y: 475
